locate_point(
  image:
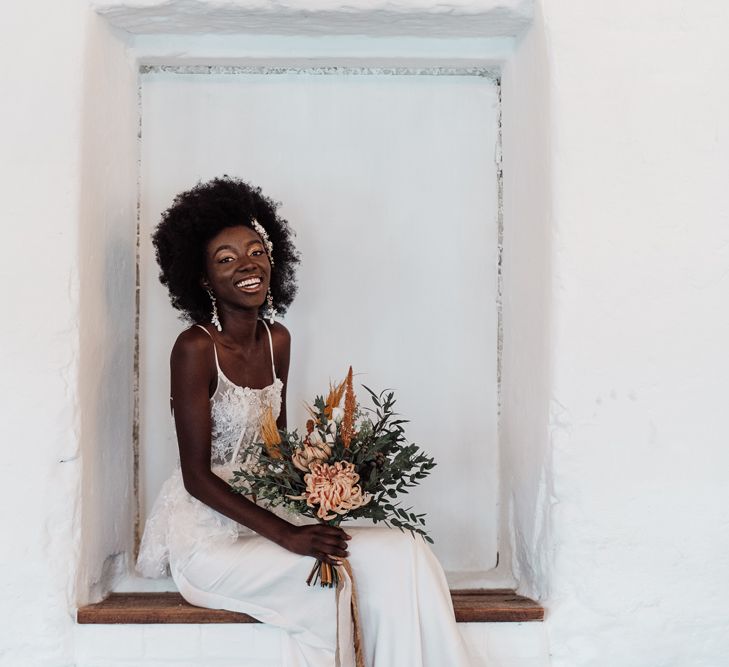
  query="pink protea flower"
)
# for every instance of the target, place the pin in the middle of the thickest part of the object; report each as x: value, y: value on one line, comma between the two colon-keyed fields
x: 334, y: 489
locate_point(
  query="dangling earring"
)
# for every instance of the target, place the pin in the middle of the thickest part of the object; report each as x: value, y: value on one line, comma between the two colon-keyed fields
x: 271, y: 309
x: 214, y: 319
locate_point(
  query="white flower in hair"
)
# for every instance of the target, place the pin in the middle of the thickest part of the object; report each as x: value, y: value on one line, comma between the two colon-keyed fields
x: 264, y: 236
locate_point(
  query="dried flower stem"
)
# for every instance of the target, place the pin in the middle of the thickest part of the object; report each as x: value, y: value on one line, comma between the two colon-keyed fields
x: 335, y: 396
x: 350, y: 405
x: 325, y: 573
x: 269, y: 433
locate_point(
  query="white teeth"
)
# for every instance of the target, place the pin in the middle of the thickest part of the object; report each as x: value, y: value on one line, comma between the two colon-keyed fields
x: 249, y: 282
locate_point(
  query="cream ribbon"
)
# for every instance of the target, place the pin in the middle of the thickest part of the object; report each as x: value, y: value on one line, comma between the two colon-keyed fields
x: 349, y: 636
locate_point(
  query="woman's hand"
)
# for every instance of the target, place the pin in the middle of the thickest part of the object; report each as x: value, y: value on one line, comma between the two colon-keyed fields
x: 326, y: 543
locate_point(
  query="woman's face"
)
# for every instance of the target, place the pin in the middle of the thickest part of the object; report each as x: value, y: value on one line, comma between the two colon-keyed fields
x: 237, y: 267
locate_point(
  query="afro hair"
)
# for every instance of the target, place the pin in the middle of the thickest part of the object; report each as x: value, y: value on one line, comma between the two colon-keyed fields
x: 199, y: 214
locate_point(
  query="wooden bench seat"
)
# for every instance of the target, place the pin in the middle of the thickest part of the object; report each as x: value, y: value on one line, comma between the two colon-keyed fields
x: 471, y: 606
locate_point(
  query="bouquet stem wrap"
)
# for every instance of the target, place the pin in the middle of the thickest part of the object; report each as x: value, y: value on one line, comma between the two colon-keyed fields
x: 349, y: 633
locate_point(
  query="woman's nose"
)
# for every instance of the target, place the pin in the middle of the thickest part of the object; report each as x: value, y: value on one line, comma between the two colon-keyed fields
x: 245, y: 264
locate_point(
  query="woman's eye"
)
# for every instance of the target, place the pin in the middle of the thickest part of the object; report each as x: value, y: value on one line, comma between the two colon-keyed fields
x: 225, y: 260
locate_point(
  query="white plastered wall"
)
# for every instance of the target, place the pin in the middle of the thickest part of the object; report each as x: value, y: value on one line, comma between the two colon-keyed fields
x: 526, y: 303
x: 68, y: 176
x: 639, y: 546
x: 628, y: 540
x: 107, y: 277
x: 614, y: 364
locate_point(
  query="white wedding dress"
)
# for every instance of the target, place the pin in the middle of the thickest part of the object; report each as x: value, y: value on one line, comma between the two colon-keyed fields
x: 405, y: 607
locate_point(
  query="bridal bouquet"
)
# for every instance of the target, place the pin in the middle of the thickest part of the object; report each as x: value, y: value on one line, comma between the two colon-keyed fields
x: 351, y: 463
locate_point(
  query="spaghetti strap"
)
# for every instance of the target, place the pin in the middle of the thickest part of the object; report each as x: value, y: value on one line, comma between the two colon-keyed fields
x: 204, y: 329
x: 270, y: 347
x: 215, y: 349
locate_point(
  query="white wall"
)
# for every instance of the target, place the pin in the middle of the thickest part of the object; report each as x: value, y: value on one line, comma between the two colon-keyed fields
x: 107, y: 276
x: 527, y: 284
x: 421, y: 18
x: 639, y: 547
x: 256, y: 645
x: 629, y: 539
x: 63, y: 341
x: 40, y: 343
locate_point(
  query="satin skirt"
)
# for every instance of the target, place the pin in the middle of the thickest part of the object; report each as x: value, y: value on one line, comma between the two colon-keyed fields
x: 405, y: 607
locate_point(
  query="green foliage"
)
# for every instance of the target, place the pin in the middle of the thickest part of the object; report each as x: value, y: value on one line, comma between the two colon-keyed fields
x: 386, y: 463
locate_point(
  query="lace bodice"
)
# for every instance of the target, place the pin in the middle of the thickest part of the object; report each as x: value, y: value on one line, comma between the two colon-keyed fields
x: 178, y: 522
x: 236, y: 414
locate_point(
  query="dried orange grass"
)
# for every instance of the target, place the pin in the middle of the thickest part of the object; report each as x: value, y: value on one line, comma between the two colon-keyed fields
x: 270, y: 434
x: 335, y: 396
x: 350, y: 404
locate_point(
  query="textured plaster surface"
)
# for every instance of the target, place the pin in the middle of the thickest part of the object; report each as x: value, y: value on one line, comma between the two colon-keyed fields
x: 639, y: 546
x: 615, y: 334
x: 64, y: 357
x: 526, y: 350
x: 213, y: 645
x: 488, y: 18
x: 40, y: 132
x: 615, y: 258
x: 107, y: 260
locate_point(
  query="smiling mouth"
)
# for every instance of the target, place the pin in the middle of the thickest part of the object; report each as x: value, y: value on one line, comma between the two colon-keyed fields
x: 249, y: 284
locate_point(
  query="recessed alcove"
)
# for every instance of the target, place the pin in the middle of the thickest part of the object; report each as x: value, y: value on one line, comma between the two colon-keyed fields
x: 390, y: 178
x: 420, y: 42
x: 613, y: 366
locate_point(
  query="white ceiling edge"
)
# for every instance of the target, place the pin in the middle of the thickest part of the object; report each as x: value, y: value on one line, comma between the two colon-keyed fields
x: 378, y: 18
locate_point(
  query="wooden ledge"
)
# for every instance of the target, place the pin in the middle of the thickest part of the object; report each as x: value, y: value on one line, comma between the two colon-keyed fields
x: 471, y: 606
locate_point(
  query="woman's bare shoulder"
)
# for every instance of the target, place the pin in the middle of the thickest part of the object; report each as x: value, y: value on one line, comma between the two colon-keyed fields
x: 192, y: 344
x: 281, y: 339
x: 279, y: 333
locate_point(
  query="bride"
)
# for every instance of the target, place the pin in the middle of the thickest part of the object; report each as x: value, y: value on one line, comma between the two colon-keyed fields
x: 228, y: 259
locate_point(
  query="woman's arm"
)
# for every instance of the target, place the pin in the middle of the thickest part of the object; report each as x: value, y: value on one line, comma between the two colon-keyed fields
x: 193, y: 371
